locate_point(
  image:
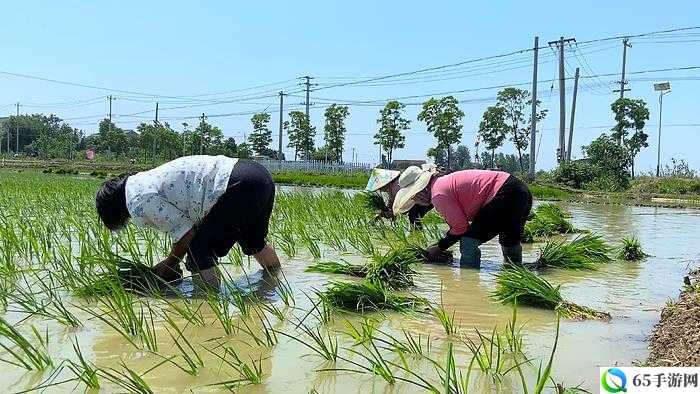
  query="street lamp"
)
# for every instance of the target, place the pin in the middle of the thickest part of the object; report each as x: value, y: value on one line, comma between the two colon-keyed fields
x: 662, y: 88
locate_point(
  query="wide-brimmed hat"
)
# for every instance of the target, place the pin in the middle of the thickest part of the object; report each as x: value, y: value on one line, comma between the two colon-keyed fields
x: 380, y: 178
x: 412, y: 180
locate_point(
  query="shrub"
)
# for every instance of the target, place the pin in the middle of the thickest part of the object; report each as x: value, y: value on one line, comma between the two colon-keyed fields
x: 576, y: 174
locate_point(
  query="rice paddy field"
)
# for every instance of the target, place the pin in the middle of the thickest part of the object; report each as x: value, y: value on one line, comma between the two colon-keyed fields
x: 392, y: 323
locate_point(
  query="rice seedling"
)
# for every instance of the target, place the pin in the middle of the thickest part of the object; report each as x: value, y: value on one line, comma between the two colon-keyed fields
x: 84, y: 371
x: 117, y: 311
x: 323, y: 345
x: 583, y: 252
x: 366, y: 332
x: 25, y: 354
x: 368, y: 297
x: 127, y: 379
x: 631, y: 250
x: 193, y: 362
x: 249, y: 373
x: 221, y: 307
x: 525, y: 287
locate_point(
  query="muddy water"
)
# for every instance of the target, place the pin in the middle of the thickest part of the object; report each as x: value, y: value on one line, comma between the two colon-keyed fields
x: 632, y: 292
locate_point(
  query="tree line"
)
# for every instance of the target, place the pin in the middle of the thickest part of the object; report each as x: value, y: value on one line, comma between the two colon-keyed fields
x: 508, y: 119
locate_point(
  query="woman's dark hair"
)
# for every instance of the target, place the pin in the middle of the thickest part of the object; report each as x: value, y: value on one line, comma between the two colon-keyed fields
x: 110, y: 202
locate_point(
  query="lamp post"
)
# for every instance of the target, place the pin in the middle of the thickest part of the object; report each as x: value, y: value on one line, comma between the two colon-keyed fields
x: 662, y: 88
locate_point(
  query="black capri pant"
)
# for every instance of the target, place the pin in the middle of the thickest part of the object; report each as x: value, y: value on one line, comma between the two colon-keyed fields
x: 505, y: 215
x: 241, y: 215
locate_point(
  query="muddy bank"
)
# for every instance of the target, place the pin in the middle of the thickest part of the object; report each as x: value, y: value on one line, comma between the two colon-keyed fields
x: 675, y: 340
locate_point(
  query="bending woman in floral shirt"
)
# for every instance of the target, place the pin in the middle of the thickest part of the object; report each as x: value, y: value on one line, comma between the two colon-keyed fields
x: 476, y: 204
x: 206, y: 204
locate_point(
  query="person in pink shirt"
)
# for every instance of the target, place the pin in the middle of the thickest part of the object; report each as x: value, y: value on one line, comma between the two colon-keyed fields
x: 476, y: 204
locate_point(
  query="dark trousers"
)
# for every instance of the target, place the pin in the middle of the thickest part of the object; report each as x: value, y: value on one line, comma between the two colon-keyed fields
x: 241, y: 215
x: 505, y: 215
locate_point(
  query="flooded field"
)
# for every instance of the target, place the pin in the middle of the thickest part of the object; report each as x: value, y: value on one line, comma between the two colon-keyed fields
x: 188, y: 340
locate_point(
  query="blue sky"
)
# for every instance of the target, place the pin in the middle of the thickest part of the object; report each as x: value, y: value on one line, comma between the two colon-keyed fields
x: 185, y: 49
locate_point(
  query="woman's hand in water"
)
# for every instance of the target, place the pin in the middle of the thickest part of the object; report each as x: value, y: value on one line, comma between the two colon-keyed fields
x: 168, y: 269
x: 434, y: 253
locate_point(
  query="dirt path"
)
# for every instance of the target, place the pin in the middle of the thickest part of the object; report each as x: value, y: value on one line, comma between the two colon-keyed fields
x: 675, y: 340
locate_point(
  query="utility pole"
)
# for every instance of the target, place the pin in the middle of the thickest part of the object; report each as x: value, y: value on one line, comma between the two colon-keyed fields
x: 353, y: 155
x: 201, y: 135
x: 573, y: 114
x: 279, y: 146
x: 307, y: 86
x: 533, y: 125
x: 110, y: 112
x: 184, y: 139
x: 561, y: 151
x: 16, y: 132
x: 623, y: 82
x: 156, y: 121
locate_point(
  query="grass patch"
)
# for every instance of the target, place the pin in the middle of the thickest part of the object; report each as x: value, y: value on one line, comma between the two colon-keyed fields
x: 368, y: 297
x: 544, y: 192
x: 355, y: 180
x: 631, y: 250
x: 525, y: 287
x: 584, y: 252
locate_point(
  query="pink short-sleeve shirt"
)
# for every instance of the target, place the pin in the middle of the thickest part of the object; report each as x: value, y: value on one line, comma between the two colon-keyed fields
x: 460, y: 195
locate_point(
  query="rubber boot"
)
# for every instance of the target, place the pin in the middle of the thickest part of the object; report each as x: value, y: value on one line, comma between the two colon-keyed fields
x: 470, y: 253
x: 513, y: 255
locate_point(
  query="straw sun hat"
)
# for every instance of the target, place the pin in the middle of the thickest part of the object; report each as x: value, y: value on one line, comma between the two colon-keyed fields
x: 412, y: 180
x: 380, y: 178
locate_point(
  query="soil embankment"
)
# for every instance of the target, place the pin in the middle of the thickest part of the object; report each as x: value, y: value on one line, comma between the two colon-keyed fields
x: 675, y: 340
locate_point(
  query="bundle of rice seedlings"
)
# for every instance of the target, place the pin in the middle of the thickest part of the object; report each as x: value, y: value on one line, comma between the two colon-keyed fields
x: 421, y: 254
x: 368, y: 296
x: 373, y: 201
x: 584, y: 252
x: 631, y: 250
x: 121, y: 272
x: 394, y: 269
x: 525, y: 287
x: 332, y: 267
x: 547, y: 220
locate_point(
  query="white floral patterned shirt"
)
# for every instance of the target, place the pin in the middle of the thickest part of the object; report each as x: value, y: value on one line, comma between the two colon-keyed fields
x: 176, y: 196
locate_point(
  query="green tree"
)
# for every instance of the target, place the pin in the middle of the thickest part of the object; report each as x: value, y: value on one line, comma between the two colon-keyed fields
x: 208, y: 139
x: 261, y: 136
x: 631, y: 116
x: 230, y: 147
x: 323, y: 153
x: 244, y: 151
x: 514, y: 103
x: 334, y: 131
x: 438, y: 156
x: 443, y: 118
x: 492, y: 130
x: 111, y: 139
x: 301, y: 134
x: 610, y: 162
x: 391, y: 126
x: 462, y: 158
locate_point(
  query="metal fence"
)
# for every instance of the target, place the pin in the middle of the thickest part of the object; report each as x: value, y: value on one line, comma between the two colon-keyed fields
x: 320, y: 167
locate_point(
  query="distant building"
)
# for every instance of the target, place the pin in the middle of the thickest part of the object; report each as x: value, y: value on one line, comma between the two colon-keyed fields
x: 403, y: 164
